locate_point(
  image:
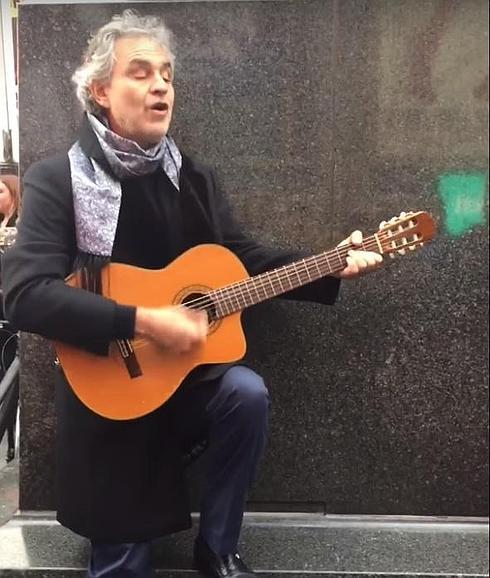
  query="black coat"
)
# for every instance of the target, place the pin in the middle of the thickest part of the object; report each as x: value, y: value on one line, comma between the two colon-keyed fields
x: 118, y: 481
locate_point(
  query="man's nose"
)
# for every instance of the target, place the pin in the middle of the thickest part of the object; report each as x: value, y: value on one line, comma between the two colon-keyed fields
x: 159, y: 84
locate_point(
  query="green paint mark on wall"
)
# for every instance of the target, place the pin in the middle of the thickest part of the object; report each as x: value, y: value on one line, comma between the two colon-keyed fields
x: 463, y: 196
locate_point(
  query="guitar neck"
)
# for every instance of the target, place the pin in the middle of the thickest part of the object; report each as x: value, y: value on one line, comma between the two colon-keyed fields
x: 254, y: 290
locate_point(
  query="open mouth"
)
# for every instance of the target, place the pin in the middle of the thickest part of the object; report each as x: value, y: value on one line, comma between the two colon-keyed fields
x: 160, y: 107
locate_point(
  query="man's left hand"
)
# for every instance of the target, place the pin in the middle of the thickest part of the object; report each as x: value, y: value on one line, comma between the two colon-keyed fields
x: 358, y: 262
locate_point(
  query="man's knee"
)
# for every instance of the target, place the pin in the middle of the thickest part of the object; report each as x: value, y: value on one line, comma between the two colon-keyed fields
x: 247, y: 391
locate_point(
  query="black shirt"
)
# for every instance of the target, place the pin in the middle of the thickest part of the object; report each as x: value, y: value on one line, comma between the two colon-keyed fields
x: 149, y: 230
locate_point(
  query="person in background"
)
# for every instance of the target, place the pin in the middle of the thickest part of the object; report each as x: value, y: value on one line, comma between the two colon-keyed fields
x: 9, y: 200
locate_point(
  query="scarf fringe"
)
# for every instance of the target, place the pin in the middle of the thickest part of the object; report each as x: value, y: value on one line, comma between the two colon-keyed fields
x: 90, y: 268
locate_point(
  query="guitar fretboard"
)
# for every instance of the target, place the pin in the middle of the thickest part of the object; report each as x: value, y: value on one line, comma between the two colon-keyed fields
x: 239, y: 296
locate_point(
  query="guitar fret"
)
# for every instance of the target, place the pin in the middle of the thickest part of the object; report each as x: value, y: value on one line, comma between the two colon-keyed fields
x: 307, y: 270
x: 297, y: 274
x: 262, y: 286
x: 288, y: 277
x: 224, y: 302
x: 234, y: 299
x: 235, y: 295
x: 269, y: 278
x: 241, y: 299
x: 328, y: 264
x: 318, y: 268
x: 257, y: 290
x: 341, y: 261
x: 219, y: 307
x: 250, y: 298
x: 279, y: 279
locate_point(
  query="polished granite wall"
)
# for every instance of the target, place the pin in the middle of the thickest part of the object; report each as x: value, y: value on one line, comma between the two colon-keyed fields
x: 322, y: 116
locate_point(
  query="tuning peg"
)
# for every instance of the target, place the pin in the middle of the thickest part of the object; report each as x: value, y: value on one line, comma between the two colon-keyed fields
x: 392, y: 255
x: 402, y: 251
x: 382, y: 224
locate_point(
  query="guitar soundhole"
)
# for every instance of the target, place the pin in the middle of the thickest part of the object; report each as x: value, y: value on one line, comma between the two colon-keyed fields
x: 197, y: 300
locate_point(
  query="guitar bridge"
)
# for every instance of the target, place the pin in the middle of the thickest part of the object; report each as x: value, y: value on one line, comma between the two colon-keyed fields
x: 129, y: 357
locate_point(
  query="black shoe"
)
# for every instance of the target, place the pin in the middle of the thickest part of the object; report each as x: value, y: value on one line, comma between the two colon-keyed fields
x: 215, y: 566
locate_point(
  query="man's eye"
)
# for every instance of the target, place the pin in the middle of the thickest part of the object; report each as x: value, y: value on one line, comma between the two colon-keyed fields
x: 167, y: 74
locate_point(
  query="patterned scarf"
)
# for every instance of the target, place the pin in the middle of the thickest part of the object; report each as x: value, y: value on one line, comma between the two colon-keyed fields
x: 97, y: 194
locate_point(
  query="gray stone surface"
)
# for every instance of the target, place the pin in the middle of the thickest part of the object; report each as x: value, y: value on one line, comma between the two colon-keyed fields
x: 68, y: 573
x: 301, y: 545
x: 321, y: 117
x: 71, y: 573
x: 38, y: 424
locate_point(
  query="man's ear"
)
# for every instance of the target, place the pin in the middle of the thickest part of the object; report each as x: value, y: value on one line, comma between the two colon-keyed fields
x: 99, y: 93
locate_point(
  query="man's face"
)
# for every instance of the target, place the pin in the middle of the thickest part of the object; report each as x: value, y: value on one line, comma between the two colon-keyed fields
x: 139, y: 97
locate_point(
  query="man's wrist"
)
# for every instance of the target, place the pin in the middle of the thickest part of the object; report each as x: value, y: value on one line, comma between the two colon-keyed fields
x: 142, y: 321
x: 124, y: 321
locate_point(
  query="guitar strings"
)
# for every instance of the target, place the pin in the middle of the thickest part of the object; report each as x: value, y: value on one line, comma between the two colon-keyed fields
x: 342, y: 251
x: 236, y: 290
x: 232, y: 296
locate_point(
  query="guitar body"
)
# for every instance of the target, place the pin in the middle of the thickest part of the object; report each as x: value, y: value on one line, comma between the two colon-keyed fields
x: 104, y: 383
x: 139, y: 376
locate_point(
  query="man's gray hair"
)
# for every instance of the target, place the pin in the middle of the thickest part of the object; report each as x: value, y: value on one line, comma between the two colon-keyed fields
x: 99, y: 57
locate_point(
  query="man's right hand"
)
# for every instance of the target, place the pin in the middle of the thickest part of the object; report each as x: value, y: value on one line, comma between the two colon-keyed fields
x: 178, y: 329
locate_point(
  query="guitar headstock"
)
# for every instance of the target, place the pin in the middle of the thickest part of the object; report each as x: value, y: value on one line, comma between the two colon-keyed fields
x: 408, y: 231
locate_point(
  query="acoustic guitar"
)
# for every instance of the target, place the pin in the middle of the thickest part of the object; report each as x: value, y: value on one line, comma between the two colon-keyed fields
x: 139, y: 376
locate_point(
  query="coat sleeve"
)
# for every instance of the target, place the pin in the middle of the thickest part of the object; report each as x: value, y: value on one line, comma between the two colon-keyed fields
x: 36, y: 297
x: 258, y: 258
